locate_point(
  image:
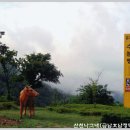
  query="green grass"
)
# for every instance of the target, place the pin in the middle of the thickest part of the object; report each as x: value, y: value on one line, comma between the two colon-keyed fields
x: 8, y: 105
x: 64, y: 116
x: 48, y: 119
x: 89, y: 109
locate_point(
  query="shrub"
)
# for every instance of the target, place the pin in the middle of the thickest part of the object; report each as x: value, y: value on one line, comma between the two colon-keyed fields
x: 113, y: 118
x: 50, y: 108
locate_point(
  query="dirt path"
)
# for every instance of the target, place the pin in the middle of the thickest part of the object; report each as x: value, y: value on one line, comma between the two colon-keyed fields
x: 8, y: 122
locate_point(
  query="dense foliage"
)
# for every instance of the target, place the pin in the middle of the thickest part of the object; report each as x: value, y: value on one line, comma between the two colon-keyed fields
x: 8, y: 66
x: 37, y: 68
x: 94, y: 93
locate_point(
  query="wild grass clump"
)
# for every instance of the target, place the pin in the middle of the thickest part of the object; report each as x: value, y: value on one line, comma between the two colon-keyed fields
x: 60, y: 109
x: 64, y: 110
x: 50, y: 108
x: 94, y: 112
x: 7, y: 105
x: 3, y: 99
x: 90, y: 113
x: 90, y: 110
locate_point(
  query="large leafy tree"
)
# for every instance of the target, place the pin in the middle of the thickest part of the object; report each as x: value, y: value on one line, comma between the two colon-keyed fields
x: 8, y: 66
x: 93, y: 93
x: 36, y: 68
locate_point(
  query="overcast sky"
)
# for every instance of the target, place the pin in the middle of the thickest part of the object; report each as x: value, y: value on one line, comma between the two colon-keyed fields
x: 82, y: 38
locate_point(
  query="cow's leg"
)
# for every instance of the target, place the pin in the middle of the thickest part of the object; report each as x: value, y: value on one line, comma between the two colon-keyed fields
x: 33, y: 110
x: 30, y: 111
x: 25, y: 108
x: 21, y: 110
x: 32, y: 105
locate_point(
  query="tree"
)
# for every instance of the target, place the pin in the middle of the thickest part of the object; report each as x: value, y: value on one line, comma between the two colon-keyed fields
x: 94, y: 93
x: 8, y: 65
x: 36, y: 68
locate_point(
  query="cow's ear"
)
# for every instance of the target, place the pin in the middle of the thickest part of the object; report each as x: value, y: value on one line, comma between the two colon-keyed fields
x: 26, y: 87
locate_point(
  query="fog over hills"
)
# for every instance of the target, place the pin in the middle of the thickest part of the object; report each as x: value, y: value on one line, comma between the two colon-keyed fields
x: 82, y: 38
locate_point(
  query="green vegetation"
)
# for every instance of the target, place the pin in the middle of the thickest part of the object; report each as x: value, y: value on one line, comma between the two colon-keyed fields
x: 33, y: 70
x: 95, y: 93
x: 115, y: 118
x: 8, y: 67
x: 55, y: 108
x: 65, y: 116
x: 48, y: 119
x: 36, y: 68
x: 90, y: 109
x: 8, y: 105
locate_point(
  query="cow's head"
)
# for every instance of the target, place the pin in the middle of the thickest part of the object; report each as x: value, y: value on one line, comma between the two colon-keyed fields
x: 30, y: 92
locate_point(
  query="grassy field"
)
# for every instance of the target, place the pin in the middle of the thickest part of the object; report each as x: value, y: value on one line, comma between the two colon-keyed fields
x: 89, y: 109
x: 63, y: 116
x: 45, y: 118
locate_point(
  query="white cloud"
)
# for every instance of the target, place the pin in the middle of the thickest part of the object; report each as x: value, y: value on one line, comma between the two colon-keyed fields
x: 83, y: 38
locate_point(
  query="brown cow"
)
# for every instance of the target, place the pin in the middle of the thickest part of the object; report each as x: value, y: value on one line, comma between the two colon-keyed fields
x: 27, y: 98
